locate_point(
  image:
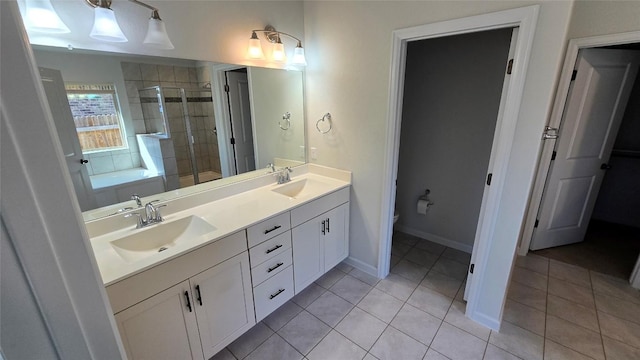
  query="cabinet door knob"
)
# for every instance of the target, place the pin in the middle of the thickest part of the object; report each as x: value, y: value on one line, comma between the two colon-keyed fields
x: 186, y: 296
x: 83, y: 161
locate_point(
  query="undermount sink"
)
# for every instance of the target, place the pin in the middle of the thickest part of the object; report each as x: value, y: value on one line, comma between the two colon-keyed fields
x: 161, y: 237
x: 300, y: 188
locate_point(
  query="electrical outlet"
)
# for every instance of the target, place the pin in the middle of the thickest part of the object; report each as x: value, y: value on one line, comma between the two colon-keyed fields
x: 314, y: 153
x: 301, y: 153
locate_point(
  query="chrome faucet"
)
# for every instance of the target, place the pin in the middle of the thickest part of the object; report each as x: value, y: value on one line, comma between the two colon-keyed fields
x: 271, y: 167
x: 150, y: 216
x: 283, y: 176
x: 136, y: 197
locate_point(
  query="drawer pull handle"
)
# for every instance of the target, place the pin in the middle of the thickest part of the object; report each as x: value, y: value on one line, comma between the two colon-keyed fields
x: 273, y: 249
x: 276, y: 294
x: 186, y: 296
x: 272, y: 229
x: 199, y: 295
x: 275, y: 267
x: 324, y: 227
x: 328, y: 225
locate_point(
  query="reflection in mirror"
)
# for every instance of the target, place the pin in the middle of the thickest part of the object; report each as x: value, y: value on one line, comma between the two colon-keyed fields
x: 148, y: 125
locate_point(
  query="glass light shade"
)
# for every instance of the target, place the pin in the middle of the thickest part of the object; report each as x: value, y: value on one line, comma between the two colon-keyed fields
x: 43, y: 18
x: 298, y: 56
x: 255, y: 49
x: 105, y: 26
x: 278, y: 52
x: 157, y: 36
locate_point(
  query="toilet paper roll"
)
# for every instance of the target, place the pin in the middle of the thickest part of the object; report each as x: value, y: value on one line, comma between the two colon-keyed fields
x: 423, y: 206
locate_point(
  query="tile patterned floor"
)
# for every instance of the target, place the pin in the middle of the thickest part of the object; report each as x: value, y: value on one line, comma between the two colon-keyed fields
x: 553, y: 311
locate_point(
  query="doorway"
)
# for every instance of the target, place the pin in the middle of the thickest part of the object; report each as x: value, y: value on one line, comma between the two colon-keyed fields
x: 622, y: 40
x: 596, y: 146
x: 495, y: 242
x: 452, y: 95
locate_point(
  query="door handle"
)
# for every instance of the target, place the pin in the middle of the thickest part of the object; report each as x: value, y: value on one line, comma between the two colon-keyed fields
x: 186, y: 296
x: 605, y: 166
x: 328, y: 229
x: 199, y: 295
x: 83, y: 161
x: 324, y: 226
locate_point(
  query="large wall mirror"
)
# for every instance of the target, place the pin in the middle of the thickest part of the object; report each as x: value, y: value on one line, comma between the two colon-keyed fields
x: 167, y: 127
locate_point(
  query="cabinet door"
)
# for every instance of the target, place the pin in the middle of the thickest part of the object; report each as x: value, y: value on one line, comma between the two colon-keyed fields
x: 336, y: 238
x: 223, y: 302
x: 161, y: 327
x: 308, y: 254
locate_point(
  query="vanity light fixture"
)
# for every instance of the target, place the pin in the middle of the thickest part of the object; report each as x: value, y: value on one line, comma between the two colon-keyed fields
x: 42, y: 17
x: 106, y: 28
x: 278, y: 51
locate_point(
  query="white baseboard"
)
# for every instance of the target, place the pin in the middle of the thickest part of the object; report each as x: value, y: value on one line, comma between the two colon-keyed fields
x: 435, y: 238
x: 482, y: 319
x: 371, y: 270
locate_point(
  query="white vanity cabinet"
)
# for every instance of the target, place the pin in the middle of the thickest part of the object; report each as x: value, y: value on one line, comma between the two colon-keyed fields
x: 195, y: 318
x: 320, y: 237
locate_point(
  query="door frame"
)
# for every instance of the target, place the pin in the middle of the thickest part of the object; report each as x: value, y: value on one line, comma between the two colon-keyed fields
x: 525, y: 19
x: 221, y: 112
x: 562, y: 93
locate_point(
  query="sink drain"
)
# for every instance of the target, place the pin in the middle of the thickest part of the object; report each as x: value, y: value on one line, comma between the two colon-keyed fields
x: 162, y: 249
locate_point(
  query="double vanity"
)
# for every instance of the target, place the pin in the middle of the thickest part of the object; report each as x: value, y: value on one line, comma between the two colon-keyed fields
x: 221, y: 260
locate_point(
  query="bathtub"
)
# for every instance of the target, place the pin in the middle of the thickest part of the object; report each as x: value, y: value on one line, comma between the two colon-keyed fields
x: 118, y: 186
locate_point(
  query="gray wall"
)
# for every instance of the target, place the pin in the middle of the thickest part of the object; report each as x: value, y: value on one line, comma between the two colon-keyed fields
x: 619, y: 197
x: 451, y: 99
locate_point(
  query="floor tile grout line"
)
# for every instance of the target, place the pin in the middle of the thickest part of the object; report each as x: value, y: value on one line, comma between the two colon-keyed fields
x: 595, y: 305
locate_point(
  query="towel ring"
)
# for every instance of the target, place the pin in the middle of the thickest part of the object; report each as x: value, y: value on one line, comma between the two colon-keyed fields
x: 326, y: 117
x: 286, y: 117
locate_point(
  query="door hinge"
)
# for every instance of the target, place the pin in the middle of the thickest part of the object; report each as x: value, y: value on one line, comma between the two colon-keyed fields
x: 535, y: 225
x: 509, y: 66
x: 233, y: 141
x: 574, y: 74
x: 553, y: 156
x: 226, y: 88
x: 471, y: 268
x: 489, y: 179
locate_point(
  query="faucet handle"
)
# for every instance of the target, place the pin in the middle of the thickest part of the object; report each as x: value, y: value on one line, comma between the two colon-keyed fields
x: 136, y: 197
x: 159, y: 217
x: 140, y: 223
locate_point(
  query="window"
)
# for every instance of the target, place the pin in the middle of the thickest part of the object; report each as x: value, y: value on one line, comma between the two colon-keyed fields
x: 97, y: 118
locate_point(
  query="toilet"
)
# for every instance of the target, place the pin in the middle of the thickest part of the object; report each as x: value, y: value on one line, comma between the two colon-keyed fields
x: 396, y: 216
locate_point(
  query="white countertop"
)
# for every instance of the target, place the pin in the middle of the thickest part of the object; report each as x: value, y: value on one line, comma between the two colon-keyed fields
x: 227, y: 214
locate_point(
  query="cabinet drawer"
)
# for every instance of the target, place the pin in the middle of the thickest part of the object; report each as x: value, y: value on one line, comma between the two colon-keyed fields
x: 271, y: 267
x: 316, y: 207
x: 272, y: 293
x: 268, y: 229
x: 270, y: 248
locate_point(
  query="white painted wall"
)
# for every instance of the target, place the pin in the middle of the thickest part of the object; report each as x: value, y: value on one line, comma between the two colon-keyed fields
x: 451, y: 99
x: 349, y: 52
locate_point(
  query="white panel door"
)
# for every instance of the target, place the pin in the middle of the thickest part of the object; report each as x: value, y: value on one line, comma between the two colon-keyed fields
x: 61, y: 112
x: 590, y: 123
x: 161, y: 327
x: 308, y: 252
x: 336, y: 246
x: 223, y: 302
x: 240, y: 111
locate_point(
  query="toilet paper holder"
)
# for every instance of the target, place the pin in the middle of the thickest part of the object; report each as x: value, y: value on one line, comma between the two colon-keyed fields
x: 426, y: 197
